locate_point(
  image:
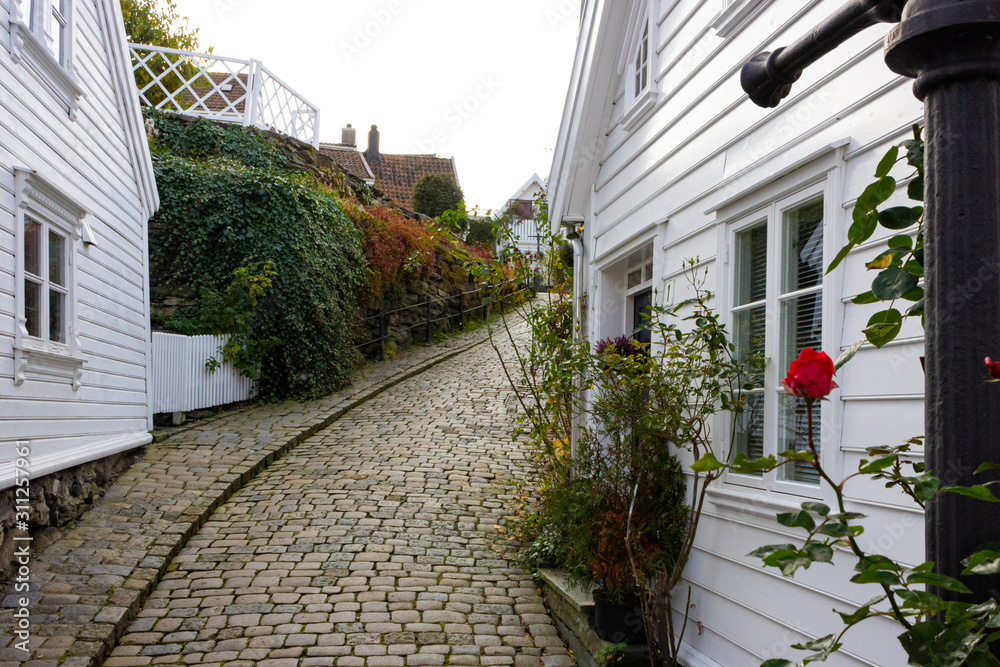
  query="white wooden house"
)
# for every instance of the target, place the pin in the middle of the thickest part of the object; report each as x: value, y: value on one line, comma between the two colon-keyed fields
x: 661, y: 157
x: 522, y: 214
x: 76, y: 192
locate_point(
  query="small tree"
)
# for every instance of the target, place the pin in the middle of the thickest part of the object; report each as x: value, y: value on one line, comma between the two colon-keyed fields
x: 436, y: 193
x: 157, y: 23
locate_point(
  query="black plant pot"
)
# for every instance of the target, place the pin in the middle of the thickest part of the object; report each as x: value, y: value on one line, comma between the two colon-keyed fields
x: 619, y: 623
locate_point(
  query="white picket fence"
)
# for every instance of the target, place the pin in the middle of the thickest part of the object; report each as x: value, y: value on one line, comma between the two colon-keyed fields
x: 181, y: 380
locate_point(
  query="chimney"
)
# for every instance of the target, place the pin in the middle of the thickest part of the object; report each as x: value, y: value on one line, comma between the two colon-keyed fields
x: 372, y: 154
x: 349, y: 136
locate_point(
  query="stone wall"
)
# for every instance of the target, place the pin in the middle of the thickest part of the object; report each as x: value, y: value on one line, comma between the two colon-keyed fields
x: 56, y: 500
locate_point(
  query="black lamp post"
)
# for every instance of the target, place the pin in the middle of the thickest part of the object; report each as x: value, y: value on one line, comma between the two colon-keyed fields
x: 952, y: 49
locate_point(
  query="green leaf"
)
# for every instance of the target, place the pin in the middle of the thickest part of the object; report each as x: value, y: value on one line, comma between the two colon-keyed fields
x: 915, y: 190
x: 788, y: 561
x: 764, y: 552
x: 914, y: 152
x: 916, y: 294
x: 893, y: 283
x: 839, y: 530
x: 926, y: 488
x: 887, y: 163
x: 987, y: 466
x: 900, y: 217
x: 979, y: 492
x: 928, y: 603
x: 938, y: 581
x: 819, y: 552
x: 744, y: 465
x: 884, y: 189
x: 884, y: 327
x: 707, y: 463
x: 901, y: 241
x: 874, y: 576
x: 983, y: 563
x: 863, y: 227
x: 848, y: 354
x: 778, y: 663
x: 841, y: 256
x: 794, y: 455
x: 864, y: 299
x: 816, y: 508
x: 797, y: 520
x: 858, y: 616
x: 867, y: 468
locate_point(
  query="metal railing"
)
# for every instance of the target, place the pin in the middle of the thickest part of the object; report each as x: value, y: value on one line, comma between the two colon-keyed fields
x: 226, y: 89
x: 429, y: 320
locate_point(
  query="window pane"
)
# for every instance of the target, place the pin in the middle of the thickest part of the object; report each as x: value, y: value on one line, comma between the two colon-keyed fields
x: 793, y: 430
x: 635, y: 279
x: 57, y: 319
x: 32, y: 308
x: 57, y: 259
x: 27, y: 11
x: 649, y: 272
x: 749, y: 329
x: 801, y: 326
x: 32, y: 247
x: 803, y: 253
x: 750, y: 429
x: 751, y: 265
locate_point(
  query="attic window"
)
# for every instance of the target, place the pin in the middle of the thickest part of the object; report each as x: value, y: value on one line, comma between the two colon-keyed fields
x: 42, y: 41
x: 642, y: 63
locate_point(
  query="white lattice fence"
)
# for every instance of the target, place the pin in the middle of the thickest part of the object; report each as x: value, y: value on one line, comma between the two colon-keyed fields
x: 226, y: 89
x: 181, y: 380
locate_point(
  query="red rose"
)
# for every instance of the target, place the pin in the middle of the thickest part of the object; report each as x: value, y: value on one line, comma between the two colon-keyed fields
x: 811, y: 375
x: 993, y: 367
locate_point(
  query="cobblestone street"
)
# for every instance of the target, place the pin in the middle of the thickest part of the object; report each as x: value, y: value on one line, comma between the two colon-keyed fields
x: 376, y: 542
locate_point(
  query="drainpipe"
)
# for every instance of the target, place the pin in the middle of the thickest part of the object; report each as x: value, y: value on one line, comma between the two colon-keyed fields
x: 571, y: 225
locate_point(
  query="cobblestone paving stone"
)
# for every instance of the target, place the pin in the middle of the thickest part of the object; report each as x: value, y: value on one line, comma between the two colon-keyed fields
x: 374, y: 543
x: 88, y: 586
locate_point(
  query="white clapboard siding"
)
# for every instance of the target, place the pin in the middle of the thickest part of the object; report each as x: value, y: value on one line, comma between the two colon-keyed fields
x: 182, y: 380
x: 705, y: 156
x: 99, y: 159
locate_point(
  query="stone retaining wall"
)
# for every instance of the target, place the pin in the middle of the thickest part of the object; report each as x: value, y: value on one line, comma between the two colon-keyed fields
x: 56, y: 500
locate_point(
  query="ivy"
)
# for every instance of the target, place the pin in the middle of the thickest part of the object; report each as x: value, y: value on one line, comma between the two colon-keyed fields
x: 228, y: 204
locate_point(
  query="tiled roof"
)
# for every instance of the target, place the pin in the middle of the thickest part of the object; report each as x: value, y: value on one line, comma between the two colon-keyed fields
x: 395, y: 175
x: 220, y: 102
x: 352, y: 161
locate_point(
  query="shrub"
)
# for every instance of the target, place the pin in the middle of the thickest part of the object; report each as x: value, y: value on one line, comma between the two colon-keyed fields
x: 481, y: 232
x: 436, y: 193
x: 218, y: 215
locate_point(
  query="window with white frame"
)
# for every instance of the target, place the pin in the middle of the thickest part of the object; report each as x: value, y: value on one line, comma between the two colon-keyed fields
x: 641, y: 69
x: 49, y: 227
x: 638, y: 67
x: 735, y: 15
x: 42, y: 40
x: 776, y: 312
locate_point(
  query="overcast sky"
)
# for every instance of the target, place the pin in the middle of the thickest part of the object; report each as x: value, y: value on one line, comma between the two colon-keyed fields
x: 479, y: 80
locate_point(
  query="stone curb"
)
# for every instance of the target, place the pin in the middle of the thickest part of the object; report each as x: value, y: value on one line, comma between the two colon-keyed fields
x: 100, y: 637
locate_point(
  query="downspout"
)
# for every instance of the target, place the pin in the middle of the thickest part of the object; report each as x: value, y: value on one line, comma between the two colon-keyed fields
x: 573, y: 227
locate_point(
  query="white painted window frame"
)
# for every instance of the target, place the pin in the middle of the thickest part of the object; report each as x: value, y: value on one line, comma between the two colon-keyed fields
x: 638, y: 107
x: 735, y: 15
x: 40, y: 358
x: 770, y: 203
x: 33, y: 44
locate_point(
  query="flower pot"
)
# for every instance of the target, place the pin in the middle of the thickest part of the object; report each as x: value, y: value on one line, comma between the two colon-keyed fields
x: 619, y: 623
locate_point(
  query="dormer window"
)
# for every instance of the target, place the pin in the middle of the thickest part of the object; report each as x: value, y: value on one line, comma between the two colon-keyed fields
x: 642, y: 63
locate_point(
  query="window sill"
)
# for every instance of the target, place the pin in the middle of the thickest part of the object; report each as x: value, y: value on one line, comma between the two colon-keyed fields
x: 32, y: 54
x: 640, y: 110
x: 735, y: 17
x: 759, y: 503
x: 39, y: 360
